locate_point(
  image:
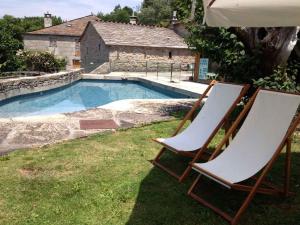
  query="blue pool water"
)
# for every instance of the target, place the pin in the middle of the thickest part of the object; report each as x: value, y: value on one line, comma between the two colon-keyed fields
x: 80, y: 95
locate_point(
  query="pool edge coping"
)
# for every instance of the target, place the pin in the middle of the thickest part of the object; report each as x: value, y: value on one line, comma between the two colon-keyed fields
x: 156, y: 83
x: 192, y: 95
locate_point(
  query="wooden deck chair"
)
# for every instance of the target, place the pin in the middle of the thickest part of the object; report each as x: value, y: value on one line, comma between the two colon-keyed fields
x: 194, y: 140
x: 267, y: 128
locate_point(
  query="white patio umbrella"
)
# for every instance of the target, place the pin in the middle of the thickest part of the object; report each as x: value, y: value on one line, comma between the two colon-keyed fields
x: 252, y: 13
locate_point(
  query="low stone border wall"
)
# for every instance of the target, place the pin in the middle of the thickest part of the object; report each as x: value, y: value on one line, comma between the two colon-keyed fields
x: 25, y: 85
x: 17, y: 74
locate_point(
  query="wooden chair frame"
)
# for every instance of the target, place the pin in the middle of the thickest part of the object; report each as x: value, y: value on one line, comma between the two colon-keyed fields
x: 199, y: 152
x: 260, y: 180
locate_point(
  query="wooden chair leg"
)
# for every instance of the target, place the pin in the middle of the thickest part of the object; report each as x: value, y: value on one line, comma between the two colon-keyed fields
x: 255, y: 187
x: 162, y: 150
x: 266, y: 170
x: 189, y: 168
x: 286, y: 141
x: 233, y: 220
x: 206, y: 203
x: 194, y: 184
x: 185, y: 173
x: 245, y: 204
x: 158, y: 164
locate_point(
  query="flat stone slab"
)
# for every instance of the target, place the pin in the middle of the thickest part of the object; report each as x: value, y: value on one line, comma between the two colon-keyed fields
x: 97, y: 124
x: 37, y: 131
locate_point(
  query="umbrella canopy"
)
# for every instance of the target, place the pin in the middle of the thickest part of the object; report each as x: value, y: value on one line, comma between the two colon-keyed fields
x: 252, y: 13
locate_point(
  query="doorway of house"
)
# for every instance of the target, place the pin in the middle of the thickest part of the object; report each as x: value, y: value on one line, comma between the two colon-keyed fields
x: 76, y: 64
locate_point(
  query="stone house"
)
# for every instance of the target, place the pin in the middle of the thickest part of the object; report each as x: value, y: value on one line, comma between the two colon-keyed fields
x: 62, y: 40
x: 109, y: 46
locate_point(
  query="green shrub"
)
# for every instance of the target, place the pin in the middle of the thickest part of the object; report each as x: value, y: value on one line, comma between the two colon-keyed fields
x: 11, y: 64
x: 283, y: 79
x: 41, y: 61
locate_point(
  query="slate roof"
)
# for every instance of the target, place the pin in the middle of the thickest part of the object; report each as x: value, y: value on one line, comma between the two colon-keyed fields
x: 70, y: 28
x: 138, y: 35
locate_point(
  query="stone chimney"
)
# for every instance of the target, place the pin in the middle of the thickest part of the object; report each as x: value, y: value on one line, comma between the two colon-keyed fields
x: 193, y: 9
x: 47, y: 20
x: 133, y: 19
x: 178, y: 27
x: 174, y: 18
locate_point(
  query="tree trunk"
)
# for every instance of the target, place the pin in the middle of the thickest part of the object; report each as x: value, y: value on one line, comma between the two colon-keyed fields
x: 276, y: 44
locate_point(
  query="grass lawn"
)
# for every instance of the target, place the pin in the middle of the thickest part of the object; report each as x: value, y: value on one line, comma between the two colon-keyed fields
x: 107, y: 179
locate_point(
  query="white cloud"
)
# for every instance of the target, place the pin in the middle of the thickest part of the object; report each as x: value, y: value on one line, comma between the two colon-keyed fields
x: 66, y: 9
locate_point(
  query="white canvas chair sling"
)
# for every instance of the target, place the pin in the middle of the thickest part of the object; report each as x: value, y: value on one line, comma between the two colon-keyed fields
x: 221, y: 101
x: 261, y: 138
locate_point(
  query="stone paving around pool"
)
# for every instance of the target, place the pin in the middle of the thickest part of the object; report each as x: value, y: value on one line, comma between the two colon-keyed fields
x: 36, y: 131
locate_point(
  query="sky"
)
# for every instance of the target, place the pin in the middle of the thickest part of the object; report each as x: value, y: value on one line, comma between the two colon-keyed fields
x: 66, y: 9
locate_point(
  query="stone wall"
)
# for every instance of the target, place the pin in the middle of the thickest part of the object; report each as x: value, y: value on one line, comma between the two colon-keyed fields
x: 143, y: 66
x: 131, y: 53
x: 97, y: 57
x: 25, y: 85
x: 140, y: 59
x: 93, y: 50
x: 65, y: 46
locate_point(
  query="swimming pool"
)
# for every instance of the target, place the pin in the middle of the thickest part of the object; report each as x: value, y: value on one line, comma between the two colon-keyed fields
x: 81, y: 95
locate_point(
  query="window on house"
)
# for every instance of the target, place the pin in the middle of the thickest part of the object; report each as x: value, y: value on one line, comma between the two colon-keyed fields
x: 170, y: 55
x: 52, y: 42
x: 145, y: 55
x: 99, y: 48
x: 87, y: 50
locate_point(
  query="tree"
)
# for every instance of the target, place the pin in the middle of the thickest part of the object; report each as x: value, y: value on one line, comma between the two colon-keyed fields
x: 156, y: 12
x: 8, y: 47
x: 276, y: 44
x: 9, y: 42
x: 36, y: 23
x: 243, y: 54
x: 119, y: 14
x: 146, y: 16
x: 11, y: 30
